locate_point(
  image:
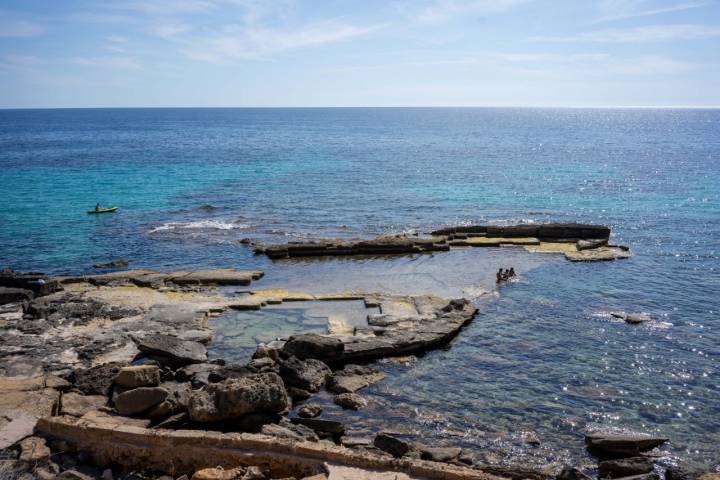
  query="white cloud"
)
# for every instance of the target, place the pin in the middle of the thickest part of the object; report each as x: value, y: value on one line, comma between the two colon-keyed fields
x: 651, y: 33
x: 115, y: 62
x: 169, y: 30
x: 243, y: 43
x: 20, y: 28
x: 624, y: 10
x: 440, y: 11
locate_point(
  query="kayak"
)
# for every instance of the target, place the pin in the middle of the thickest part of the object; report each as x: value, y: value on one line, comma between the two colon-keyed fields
x: 103, y: 210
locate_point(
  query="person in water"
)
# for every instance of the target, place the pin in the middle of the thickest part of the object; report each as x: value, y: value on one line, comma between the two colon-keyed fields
x: 499, y: 276
x: 511, y: 272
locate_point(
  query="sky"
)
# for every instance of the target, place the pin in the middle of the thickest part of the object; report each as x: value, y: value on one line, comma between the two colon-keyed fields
x: 285, y: 53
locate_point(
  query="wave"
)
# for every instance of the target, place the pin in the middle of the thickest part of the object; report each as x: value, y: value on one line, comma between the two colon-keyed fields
x: 200, y: 225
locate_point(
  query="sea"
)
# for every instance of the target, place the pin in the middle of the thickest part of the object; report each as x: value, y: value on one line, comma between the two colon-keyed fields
x: 543, y: 362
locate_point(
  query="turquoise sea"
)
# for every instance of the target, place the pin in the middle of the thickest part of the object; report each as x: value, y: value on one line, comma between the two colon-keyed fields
x: 543, y: 356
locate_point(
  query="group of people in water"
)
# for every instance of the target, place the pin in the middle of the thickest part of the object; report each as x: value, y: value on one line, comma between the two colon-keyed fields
x: 505, y: 275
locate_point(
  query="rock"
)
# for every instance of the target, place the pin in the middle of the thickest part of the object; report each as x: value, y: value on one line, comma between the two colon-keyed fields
x: 262, y: 364
x: 681, y: 472
x: 174, y: 351
x: 572, y: 473
x: 107, y: 474
x: 275, y: 430
x: 72, y: 474
x: 305, y: 432
x: 392, y: 445
x: 138, y: 376
x: 643, y: 476
x: 253, y: 473
x: 590, y: 244
x: 97, y: 380
x: 624, y: 467
x: 112, y: 421
x: 622, y: 444
x: 20, y: 411
x: 709, y: 476
x: 353, y: 378
x: 233, y: 398
x: 34, y: 450
x: 440, y: 454
x: 219, y: 473
x: 174, y: 422
x: 226, y: 373
x: 78, y: 405
x: 15, y: 295
x: 351, y: 401
x: 139, y: 400
x: 298, y: 394
x: 310, y: 374
x: 119, y: 262
x: 599, y: 254
x: 198, y: 373
x: 253, y: 422
x: 263, y: 351
x: 636, y: 318
x: 351, y: 441
x: 514, y: 472
x: 310, y: 411
x: 330, y: 427
x: 312, y: 345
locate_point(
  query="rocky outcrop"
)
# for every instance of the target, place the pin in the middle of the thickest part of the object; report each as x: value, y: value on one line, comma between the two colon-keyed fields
x: 312, y: 345
x: 138, y: 376
x: 152, y: 278
x: 172, y: 350
x: 584, y: 243
x: 262, y: 393
x: 628, y: 445
x: 545, y: 232
x: 392, y: 445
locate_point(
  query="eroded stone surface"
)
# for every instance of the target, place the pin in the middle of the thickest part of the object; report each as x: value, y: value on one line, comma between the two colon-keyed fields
x: 233, y: 398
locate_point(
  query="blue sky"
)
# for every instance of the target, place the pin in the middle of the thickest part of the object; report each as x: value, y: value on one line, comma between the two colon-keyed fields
x: 82, y: 53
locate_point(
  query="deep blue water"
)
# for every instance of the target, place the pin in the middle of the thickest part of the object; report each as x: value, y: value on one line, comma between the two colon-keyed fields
x: 191, y: 182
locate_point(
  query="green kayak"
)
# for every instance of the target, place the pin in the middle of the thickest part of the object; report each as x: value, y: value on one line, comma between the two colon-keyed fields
x: 103, y: 210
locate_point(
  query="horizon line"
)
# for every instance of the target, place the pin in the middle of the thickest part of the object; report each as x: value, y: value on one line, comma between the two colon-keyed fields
x: 567, y: 107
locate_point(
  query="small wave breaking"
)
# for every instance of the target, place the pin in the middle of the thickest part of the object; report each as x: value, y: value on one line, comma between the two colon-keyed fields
x: 200, y: 225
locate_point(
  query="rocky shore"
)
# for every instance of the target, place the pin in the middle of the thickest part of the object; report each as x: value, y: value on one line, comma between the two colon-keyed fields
x: 577, y: 242
x: 108, y: 376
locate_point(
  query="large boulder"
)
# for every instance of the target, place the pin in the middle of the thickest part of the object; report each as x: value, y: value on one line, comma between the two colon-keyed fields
x: 233, y: 398
x: 310, y: 374
x: 392, y: 445
x: 627, y: 445
x: 97, y: 380
x: 138, y: 400
x: 312, y: 345
x: 172, y: 350
x: 138, y: 376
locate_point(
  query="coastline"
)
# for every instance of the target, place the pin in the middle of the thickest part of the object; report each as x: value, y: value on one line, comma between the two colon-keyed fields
x: 159, y: 323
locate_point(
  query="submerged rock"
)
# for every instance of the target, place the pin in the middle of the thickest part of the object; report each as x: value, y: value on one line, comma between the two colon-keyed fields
x: 572, y: 473
x: 119, y: 262
x: 353, y: 378
x: 233, y: 398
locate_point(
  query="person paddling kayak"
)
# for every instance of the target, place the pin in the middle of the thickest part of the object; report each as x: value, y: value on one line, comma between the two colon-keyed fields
x: 98, y: 207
